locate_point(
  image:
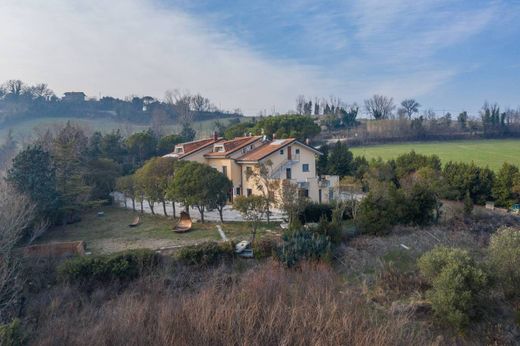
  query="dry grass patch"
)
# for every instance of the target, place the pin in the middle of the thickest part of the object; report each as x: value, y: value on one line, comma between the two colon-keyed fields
x: 268, y: 306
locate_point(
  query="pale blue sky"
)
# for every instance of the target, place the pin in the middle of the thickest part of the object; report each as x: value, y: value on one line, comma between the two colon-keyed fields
x: 259, y: 55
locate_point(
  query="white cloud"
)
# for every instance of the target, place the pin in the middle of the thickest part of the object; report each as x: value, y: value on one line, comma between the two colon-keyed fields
x: 403, y: 29
x: 123, y: 47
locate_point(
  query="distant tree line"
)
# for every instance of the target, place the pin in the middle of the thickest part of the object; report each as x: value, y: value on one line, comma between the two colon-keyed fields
x: 297, y: 126
x: 386, y: 121
x: 20, y: 101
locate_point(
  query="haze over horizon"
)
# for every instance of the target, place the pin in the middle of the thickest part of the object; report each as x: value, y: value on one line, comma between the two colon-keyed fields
x: 260, y: 55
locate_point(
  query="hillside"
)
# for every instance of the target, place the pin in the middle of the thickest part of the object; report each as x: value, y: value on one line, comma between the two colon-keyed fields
x: 25, y: 129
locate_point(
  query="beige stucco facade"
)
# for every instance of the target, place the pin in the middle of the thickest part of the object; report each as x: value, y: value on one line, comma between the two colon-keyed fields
x: 285, y: 159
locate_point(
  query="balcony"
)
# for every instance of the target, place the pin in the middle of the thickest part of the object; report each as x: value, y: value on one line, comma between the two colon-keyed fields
x: 323, y: 183
x: 303, y: 184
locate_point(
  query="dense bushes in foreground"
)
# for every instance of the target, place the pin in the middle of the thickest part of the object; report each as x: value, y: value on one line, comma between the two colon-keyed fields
x: 122, y: 266
x: 303, y: 245
x: 504, y: 251
x: 458, y: 285
x: 388, y: 205
x: 208, y: 253
x: 267, y: 305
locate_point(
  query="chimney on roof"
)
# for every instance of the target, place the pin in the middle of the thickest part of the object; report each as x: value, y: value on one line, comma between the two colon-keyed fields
x: 307, y: 141
x: 215, y: 135
x: 274, y: 136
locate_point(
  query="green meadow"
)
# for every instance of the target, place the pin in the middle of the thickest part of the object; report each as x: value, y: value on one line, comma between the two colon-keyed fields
x: 492, y: 153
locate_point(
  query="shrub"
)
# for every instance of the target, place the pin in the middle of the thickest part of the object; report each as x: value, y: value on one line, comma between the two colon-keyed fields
x: 313, y: 212
x: 503, y: 187
x: 412, y: 162
x: 122, y: 266
x: 264, y: 248
x: 331, y: 230
x: 463, y: 177
x: 208, y: 253
x: 378, y: 211
x: 458, y: 284
x: 420, y: 205
x: 11, y: 334
x: 303, y: 245
x: 504, y: 251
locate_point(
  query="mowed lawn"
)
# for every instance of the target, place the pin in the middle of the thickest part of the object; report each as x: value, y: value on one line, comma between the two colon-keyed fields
x: 110, y: 233
x: 492, y: 153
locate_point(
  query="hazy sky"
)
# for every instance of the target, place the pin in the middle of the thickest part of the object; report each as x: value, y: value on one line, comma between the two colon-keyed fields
x: 259, y: 55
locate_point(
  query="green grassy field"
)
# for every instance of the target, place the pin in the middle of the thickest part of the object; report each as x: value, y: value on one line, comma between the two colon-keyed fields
x: 25, y: 129
x: 492, y: 153
x: 111, y: 233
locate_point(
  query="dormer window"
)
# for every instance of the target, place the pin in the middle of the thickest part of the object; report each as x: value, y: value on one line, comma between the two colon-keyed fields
x: 178, y: 150
x: 218, y: 148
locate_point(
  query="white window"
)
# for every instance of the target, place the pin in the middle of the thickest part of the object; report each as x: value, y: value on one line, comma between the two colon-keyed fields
x: 297, y: 151
x: 305, y: 167
x: 281, y: 152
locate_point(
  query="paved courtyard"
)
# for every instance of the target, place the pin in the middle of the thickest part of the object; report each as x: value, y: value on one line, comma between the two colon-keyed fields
x: 229, y: 214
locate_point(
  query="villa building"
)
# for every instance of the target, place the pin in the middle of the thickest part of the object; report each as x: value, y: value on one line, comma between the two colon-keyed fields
x: 287, y: 159
x: 74, y: 96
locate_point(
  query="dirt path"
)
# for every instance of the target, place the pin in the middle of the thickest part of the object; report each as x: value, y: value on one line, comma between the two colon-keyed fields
x: 222, y: 234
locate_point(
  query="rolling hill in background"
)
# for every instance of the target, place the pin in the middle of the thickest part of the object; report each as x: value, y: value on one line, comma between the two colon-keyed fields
x: 23, y: 131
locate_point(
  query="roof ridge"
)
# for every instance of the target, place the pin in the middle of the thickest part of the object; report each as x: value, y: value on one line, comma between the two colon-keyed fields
x: 285, y: 142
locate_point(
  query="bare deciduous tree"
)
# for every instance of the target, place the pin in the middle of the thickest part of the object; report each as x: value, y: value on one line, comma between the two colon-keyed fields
x: 380, y: 107
x: 14, y: 87
x: 181, y: 103
x: 159, y: 120
x: 429, y: 114
x: 409, y: 107
x: 262, y: 178
x: 199, y: 103
x: 352, y: 189
x: 16, y: 215
x: 41, y: 91
x: 292, y: 202
x: 300, y: 104
x: 7, y: 151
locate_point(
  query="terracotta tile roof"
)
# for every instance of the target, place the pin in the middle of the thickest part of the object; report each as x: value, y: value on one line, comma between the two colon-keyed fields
x: 265, y: 150
x: 233, y: 145
x: 191, y: 147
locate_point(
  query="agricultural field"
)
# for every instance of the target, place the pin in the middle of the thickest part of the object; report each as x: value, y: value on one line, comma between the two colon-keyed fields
x: 110, y: 233
x: 492, y: 153
x: 25, y: 129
